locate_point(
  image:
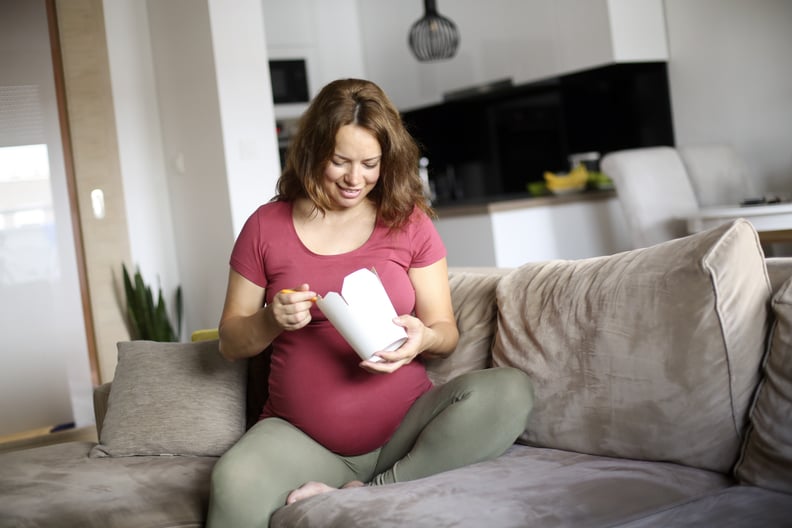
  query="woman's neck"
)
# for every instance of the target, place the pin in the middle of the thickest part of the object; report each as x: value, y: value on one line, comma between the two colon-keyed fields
x: 334, y: 231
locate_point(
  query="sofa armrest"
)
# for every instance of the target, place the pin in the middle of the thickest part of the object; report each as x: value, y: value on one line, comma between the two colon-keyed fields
x: 100, y: 397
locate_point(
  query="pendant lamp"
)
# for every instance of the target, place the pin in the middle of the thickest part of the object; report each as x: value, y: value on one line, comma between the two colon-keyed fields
x: 433, y: 37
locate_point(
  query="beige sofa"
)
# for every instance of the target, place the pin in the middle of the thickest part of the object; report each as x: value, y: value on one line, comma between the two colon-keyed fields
x: 663, y: 384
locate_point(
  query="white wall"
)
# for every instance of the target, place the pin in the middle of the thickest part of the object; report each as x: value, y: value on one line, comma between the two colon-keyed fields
x: 522, y: 40
x: 637, y: 30
x: 731, y: 80
x: 245, y: 99
x: 504, y: 39
x: 146, y: 193
x: 218, y: 135
x: 196, y: 134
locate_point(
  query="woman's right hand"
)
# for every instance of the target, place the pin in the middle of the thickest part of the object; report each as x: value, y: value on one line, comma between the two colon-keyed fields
x: 247, y: 326
x: 291, y: 309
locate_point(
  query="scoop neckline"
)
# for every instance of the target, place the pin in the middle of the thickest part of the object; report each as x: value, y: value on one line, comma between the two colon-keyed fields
x: 322, y: 255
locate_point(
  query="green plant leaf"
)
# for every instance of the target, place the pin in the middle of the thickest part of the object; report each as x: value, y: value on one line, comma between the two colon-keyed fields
x: 148, y: 320
x: 179, y: 312
x: 133, y: 315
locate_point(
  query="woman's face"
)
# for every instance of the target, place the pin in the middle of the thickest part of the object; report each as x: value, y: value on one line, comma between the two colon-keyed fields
x: 354, y: 168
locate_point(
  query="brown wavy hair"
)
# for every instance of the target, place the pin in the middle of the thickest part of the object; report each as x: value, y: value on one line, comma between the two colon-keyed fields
x: 364, y: 104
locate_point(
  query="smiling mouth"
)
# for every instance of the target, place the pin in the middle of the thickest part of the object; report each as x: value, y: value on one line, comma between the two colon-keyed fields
x: 349, y: 193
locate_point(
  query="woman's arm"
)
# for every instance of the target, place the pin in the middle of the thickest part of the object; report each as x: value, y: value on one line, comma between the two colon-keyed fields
x: 433, y: 308
x: 247, y: 326
x: 433, y: 331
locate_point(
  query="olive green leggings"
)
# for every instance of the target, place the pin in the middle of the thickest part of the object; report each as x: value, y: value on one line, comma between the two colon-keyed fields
x: 473, y: 417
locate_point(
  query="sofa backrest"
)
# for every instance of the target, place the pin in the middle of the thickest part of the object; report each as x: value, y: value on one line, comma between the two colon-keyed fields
x: 473, y: 293
x: 766, y: 458
x: 649, y: 354
x: 473, y: 300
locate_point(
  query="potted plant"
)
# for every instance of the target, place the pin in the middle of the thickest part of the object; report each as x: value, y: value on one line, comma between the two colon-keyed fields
x: 147, y: 320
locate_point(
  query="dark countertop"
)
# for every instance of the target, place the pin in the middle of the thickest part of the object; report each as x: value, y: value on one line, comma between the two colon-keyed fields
x: 493, y: 204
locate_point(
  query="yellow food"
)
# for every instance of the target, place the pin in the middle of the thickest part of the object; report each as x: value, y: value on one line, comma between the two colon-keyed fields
x: 574, y: 179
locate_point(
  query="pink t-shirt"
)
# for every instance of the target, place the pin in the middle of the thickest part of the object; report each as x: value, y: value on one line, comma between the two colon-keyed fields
x: 315, y: 381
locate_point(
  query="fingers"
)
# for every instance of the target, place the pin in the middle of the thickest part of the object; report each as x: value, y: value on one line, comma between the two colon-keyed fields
x: 291, y: 309
x: 382, y: 367
x: 303, y: 289
x: 409, y: 350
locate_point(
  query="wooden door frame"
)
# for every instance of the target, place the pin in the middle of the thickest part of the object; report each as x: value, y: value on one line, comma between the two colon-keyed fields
x: 71, y: 186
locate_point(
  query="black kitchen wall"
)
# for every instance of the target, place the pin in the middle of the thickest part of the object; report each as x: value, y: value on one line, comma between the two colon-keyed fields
x: 491, y: 145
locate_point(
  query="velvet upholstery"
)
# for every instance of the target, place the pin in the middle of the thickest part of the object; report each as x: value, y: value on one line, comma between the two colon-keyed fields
x: 61, y: 486
x: 473, y: 300
x: 650, y: 354
x: 173, y: 399
x: 767, y: 457
x: 524, y: 487
x: 734, y: 507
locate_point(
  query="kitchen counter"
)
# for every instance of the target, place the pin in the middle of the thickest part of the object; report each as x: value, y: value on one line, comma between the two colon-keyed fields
x: 511, y: 232
x: 494, y: 204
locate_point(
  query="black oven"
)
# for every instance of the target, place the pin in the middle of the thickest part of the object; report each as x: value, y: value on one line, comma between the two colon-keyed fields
x: 289, y: 81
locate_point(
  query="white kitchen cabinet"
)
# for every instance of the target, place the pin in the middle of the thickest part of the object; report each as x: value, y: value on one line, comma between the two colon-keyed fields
x: 511, y: 233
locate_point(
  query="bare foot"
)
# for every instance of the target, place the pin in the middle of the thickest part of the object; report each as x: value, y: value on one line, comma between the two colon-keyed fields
x: 309, y: 489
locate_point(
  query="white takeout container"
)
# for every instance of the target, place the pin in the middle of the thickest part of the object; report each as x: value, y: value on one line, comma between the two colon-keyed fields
x: 363, y: 314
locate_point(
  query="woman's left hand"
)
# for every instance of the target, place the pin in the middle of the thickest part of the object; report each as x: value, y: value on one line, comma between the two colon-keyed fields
x: 392, y: 361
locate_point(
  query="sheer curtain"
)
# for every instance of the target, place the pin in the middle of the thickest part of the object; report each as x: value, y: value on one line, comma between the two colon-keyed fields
x: 45, y: 378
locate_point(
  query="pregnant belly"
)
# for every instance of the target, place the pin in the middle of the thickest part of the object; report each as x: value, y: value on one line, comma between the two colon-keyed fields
x: 320, y: 388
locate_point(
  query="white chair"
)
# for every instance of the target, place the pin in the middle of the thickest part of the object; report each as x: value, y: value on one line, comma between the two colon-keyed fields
x: 654, y: 191
x: 717, y: 174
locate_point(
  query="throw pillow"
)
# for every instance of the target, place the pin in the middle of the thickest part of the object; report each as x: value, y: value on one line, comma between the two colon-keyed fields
x: 648, y: 354
x: 767, y: 455
x: 173, y: 399
x: 473, y: 299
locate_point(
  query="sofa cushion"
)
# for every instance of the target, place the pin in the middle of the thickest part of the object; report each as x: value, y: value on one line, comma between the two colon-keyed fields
x: 473, y: 299
x: 524, y: 487
x: 173, y: 399
x: 767, y: 456
x: 60, y: 486
x: 648, y: 354
x: 733, y: 507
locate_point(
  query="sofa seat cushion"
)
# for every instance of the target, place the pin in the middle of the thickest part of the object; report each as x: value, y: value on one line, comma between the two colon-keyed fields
x: 767, y: 455
x: 61, y: 486
x: 524, y: 487
x: 734, y: 507
x: 650, y: 354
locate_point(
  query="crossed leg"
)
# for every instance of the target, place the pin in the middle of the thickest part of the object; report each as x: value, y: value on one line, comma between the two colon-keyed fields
x: 255, y: 477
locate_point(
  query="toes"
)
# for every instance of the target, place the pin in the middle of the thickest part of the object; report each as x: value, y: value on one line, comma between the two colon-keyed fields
x: 309, y: 489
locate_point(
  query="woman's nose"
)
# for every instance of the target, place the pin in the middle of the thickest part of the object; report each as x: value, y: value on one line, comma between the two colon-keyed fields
x: 354, y: 174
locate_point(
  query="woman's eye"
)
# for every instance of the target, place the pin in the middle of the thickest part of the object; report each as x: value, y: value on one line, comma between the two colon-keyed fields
x: 337, y: 163
x: 371, y: 165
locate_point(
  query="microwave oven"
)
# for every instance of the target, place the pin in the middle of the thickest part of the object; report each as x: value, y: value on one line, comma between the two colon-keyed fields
x: 289, y: 81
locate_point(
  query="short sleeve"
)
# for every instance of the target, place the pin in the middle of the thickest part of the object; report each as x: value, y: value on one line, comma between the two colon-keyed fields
x: 247, y: 257
x: 427, y: 245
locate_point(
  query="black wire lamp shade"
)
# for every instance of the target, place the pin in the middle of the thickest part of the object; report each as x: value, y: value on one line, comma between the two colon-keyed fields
x: 433, y: 37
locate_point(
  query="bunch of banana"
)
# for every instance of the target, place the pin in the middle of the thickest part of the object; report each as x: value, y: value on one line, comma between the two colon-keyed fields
x: 574, y: 180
